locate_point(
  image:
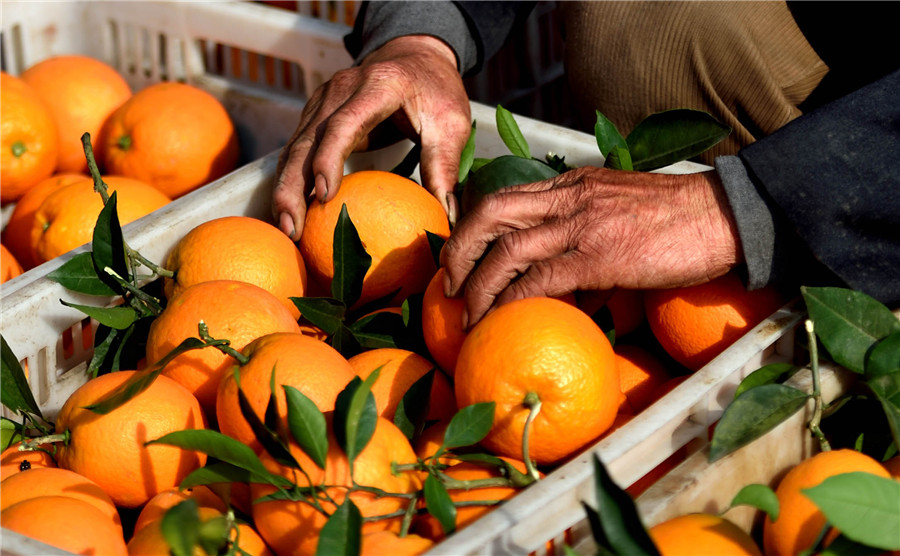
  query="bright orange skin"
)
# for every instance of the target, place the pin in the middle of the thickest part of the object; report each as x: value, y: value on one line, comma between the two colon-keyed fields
x: 388, y: 543
x: 799, y: 520
x: 67, y: 523
x: 429, y: 527
x: 148, y: 540
x: 696, y: 323
x: 109, y: 449
x: 11, y: 460
x: 54, y: 481
x: 553, y: 349
x: 81, y: 92
x: 172, y: 135
x: 9, y: 265
x: 235, y: 311
x: 315, y: 368
x: 17, y: 235
x: 66, y: 218
x: 156, y: 507
x: 694, y: 534
x: 641, y: 376
x: 238, y: 248
x: 391, y: 215
x: 400, y: 369
x: 29, y: 142
x: 442, y: 323
x: 292, y: 528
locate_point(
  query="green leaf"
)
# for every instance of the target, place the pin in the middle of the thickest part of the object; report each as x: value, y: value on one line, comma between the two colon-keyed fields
x: 768, y: 374
x: 355, y: 415
x: 380, y: 330
x: 887, y: 390
x: 842, y: 546
x: 439, y: 504
x: 435, y: 243
x: 108, y: 246
x: 181, y: 527
x: 406, y: 166
x: 752, y: 414
x: 351, y: 262
x: 671, y: 136
x: 341, y: 535
x: 760, y: 497
x: 884, y: 358
x: 10, y: 432
x: 79, y: 275
x: 217, y: 473
x: 501, y: 172
x: 470, y: 425
x: 511, y: 134
x: 608, y: 136
x: 848, y: 323
x: 345, y: 342
x: 119, y: 318
x: 324, y: 312
x: 413, y: 407
x: 620, y: 526
x: 141, y: 380
x: 619, y: 159
x: 265, y: 430
x: 307, y: 425
x: 863, y: 506
x: 15, y: 393
x: 213, y: 534
x: 467, y: 158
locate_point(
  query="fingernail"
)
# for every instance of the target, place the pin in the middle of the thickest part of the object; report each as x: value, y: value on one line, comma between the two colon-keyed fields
x: 321, y: 187
x: 452, y: 210
x: 448, y: 290
x: 286, y: 224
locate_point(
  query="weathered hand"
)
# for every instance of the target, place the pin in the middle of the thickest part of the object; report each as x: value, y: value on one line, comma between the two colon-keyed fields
x: 410, y: 83
x: 590, y: 229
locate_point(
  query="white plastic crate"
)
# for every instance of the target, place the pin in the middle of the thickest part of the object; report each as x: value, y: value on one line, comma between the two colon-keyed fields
x: 152, y: 41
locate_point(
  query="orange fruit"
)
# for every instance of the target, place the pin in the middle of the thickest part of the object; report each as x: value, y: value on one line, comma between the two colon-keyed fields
x: 66, y: 523
x: 17, y: 234
x: 66, y: 218
x: 238, y: 248
x: 13, y: 461
x: 391, y: 214
x: 171, y: 135
x: 696, y: 323
x: 695, y: 534
x: 55, y: 481
x: 546, y: 347
x: 109, y: 449
x: 156, y: 507
x: 235, y: 311
x: 400, y: 369
x: 429, y: 527
x: 641, y: 376
x: 799, y: 520
x: 442, y: 323
x: 9, y: 265
x: 292, y: 527
x: 315, y: 368
x: 29, y: 143
x: 430, y: 440
x: 148, y: 540
x: 893, y: 466
x: 81, y: 92
x: 388, y: 543
x: 626, y: 307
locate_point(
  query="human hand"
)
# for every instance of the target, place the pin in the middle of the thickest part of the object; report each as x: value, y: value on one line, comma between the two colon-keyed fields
x: 411, y: 83
x: 590, y: 229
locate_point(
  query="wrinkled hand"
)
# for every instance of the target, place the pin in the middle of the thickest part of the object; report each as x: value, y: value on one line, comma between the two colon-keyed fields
x: 411, y: 83
x: 591, y: 229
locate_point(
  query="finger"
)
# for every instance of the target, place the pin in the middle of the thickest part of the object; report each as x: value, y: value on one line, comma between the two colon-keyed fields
x: 553, y: 277
x: 346, y: 130
x: 510, y: 257
x: 442, y: 145
x: 496, y: 215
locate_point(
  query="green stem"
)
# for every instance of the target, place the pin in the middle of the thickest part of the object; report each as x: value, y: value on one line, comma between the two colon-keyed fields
x: 221, y: 345
x: 409, y: 515
x: 32, y: 444
x: 18, y: 149
x: 816, y: 420
x: 533, y: 403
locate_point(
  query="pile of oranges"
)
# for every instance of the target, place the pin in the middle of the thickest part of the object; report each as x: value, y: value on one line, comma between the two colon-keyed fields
x: 151, y: 145
x: 557, y: 382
